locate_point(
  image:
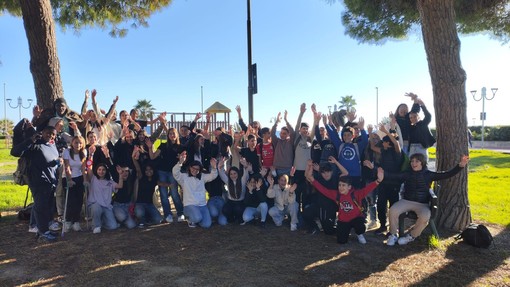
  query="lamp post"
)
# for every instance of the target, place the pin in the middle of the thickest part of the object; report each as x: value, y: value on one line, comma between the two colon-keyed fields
x: 20, y: 105
x: 377, y: 105
x: 5, y: 113
x: 483, y: 97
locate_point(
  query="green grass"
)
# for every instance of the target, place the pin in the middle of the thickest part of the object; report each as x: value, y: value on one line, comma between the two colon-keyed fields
x: 488, y: 186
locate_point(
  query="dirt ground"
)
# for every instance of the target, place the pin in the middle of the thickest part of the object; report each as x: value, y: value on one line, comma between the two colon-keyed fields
x: 233, y: 255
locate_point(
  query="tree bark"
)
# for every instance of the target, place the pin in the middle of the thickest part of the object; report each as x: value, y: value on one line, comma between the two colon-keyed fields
x: 42, y: 43
x: 442, y: 46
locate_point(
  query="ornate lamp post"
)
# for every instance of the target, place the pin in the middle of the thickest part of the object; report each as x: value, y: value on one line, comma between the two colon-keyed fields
x: 482, y: 98
x: 20, y: 105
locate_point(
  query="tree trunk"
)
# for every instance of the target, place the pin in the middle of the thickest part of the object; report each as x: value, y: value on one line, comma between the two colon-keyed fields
x: 442, y: 46
x: 42, y: 43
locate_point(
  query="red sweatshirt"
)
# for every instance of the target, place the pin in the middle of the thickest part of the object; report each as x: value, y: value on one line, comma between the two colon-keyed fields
x: 347, y: 209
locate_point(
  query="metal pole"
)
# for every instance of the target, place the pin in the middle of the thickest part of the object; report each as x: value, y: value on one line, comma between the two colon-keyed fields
x: 202, y: 97
x: 5, y: 113
x: 376, y: 105
x: 250, y: 82
x: 484, y: 94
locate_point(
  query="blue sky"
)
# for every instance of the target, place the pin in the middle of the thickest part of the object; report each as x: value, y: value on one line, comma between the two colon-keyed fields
x: 299, y: 46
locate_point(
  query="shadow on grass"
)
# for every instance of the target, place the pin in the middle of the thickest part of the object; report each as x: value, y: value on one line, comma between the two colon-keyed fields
x: 468, y: 263
x: 495, y: 161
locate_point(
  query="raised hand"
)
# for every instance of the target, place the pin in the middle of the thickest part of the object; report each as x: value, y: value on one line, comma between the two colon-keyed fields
x: 380, y: 174
x: 36, y: 111
x: 302, y: 109
x: 214, y: 163
x: 368, y: 164
x: 292, y: 170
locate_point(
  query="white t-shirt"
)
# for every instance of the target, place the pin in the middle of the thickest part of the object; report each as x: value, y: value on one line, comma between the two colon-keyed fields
x: 74, y: 163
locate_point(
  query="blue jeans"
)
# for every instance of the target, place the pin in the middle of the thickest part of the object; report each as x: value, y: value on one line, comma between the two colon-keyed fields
x: 259, y: 211
x: 167, y: 177
x: 215, y: 206
x: 102, y: 216
x: 147, y: 210
x: 198, y: 214
x: 121, y: 212
x: 279, y: 215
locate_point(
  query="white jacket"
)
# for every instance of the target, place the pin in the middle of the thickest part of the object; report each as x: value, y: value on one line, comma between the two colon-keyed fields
x: 193, y: 189
x: 281, y: 197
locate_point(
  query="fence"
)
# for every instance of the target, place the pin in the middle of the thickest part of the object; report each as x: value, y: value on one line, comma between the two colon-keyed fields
x: 176, y: 120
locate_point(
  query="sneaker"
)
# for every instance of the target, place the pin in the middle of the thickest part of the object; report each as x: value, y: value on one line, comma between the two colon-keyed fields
x: 406, y: 239
x: 392, y: 239
x: 169, y: 219
x: 278, y: 223
x: 54, y: 226
x: 262, y: 224
x: 361, y: 239
x: 315, y: 231
x: 76, y: 226
x: 47, y: 237
x: 33, y: 229
x: 66, y: 225
x: 243, y: 223
x: 181, y: 218
x: 372, y: 224
x: 381, y: 230
x: 96, y: 230
x: 293, y: 227
x: 141, y: 225
x: 191, y: 224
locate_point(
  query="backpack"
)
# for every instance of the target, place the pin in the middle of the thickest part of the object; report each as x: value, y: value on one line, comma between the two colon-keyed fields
x: 476, y: 235
x: 21, y: 174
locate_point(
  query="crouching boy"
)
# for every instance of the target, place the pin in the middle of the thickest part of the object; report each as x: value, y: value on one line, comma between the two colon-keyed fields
x: 350, y: 213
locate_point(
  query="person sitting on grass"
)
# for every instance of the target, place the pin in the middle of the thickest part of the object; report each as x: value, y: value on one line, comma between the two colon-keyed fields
x: 193, y: 190
x: 350, y: 213
x: 99, y: 199
x: 255, y: 200
x: 416, y: 196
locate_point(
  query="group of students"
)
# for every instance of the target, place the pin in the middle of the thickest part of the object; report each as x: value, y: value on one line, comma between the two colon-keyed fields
x: 317, y: 179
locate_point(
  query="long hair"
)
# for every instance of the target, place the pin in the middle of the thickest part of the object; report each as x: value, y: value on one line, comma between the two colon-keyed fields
x: 177, y: 140
x: 81, y: 153
x: 235, y: 189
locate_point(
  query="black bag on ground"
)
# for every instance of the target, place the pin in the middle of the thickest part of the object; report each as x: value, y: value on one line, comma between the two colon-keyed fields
x: 477, y: 235
x: 24, y: 213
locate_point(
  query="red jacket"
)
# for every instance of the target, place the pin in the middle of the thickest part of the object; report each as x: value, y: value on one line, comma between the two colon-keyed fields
x: 347, y: 209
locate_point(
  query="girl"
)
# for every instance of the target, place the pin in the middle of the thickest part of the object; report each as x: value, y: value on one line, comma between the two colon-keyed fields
x: 255, y: 200
x: 145, y: 190
x: 236, y: 186
x: 74, y: 168
x: 99, y: 200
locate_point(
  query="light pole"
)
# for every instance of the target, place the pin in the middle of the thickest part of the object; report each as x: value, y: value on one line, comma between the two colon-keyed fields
x: 483, y: 97
x: 20, y: 105
x: 5, y: 113
x: 377, y: 105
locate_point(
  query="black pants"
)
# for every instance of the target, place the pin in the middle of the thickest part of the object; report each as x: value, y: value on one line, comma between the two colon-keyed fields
x: 74, y: 199
x: 233, y: 210
x: 326, y: 214
x: 386, y: 193
x: 43, y: 202
x: 344, y: 228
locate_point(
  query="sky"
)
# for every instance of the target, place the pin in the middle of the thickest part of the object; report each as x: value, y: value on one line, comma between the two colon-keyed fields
x: 194, y: 53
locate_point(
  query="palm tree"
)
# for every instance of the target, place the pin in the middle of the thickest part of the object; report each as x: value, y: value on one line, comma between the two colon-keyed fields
x: 145, y: 109
x: 348, y: 103
x: 6, y: 126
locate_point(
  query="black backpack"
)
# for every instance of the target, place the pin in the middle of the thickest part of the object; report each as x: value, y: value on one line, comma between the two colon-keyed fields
x: 476, y: 235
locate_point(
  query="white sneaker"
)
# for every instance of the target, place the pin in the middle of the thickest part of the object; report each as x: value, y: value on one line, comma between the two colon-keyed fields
x: 181, y: 218
x: 361, y: 239
x: 392, y: 239
x: 33, y: 229
x: 406, y: 239
x: 54, y: 226
x: 96, y: 230
x: 169, y: 219
x: 76, y: 226
x: 293, y: 227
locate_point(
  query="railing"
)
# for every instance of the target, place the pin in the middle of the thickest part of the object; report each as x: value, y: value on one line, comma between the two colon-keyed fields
x: 176, y: 120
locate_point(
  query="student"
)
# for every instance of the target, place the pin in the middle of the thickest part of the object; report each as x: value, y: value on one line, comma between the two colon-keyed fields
x: 420, y: 137
x: 99, y: 200
x: 124, y: 198
x: 250, y: 154
x: 44, y: 163
x: 168, y: 156
x: 390, y: 155
x: 416, y: 196
x: 255, y: 200
x: 284, y: 200
x: 350, y: 213
x: 283, y: 146
x: 74, y: 168
x: 145, y: 210
x: 193, y: 190
x: 402, y: 117
x: 236, y: 189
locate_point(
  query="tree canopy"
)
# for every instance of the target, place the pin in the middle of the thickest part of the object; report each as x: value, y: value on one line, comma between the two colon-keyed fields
x: 116, y: 15
x: 377, y: 21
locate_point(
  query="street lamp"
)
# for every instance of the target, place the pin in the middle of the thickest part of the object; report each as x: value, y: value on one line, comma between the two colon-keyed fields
x: 20, y: 105
x: 5, y: 114
x: 483, y: 97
